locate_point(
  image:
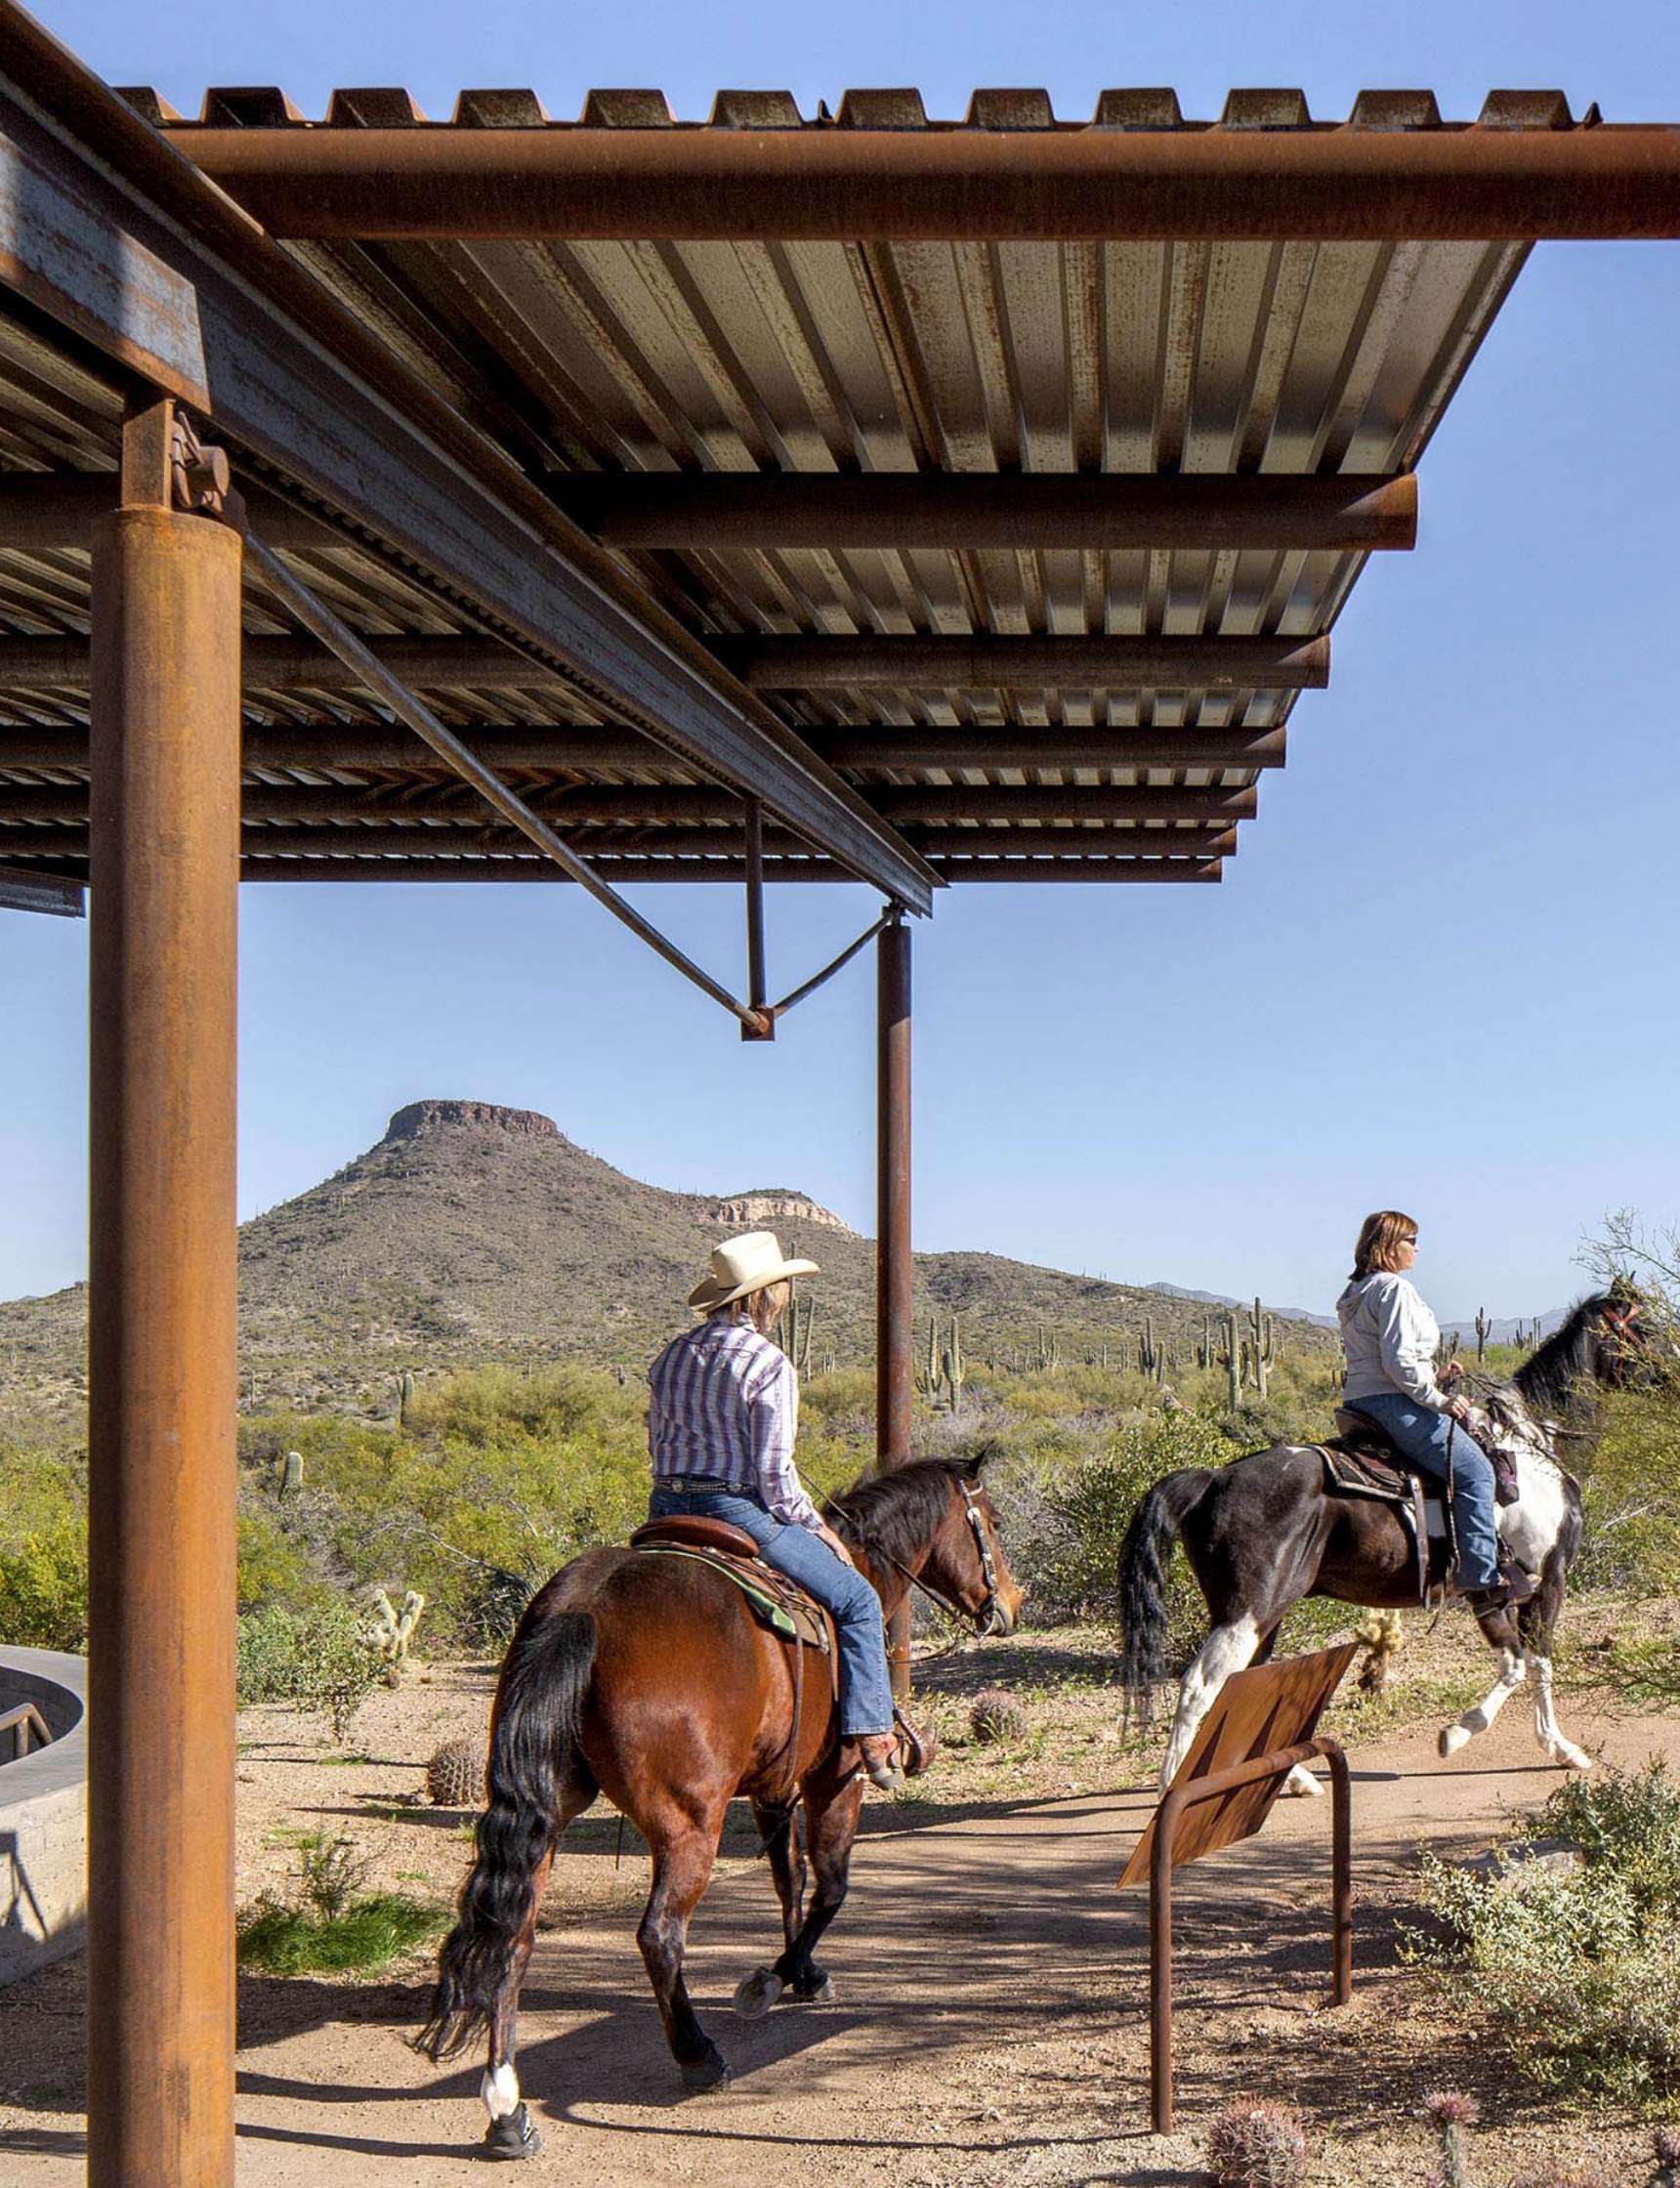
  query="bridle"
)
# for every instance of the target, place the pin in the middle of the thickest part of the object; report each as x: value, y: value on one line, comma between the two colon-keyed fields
x: 990, y: 1618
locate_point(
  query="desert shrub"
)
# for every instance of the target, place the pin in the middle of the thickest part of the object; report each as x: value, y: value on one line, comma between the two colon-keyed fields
x: 275, y: 1565
x: 331, y: 1924
x: 43, y: 1549
x: 1631, y: 1538
x: 1070, y: 1555
x: 1579, y: 1965
x: 312, y: 1660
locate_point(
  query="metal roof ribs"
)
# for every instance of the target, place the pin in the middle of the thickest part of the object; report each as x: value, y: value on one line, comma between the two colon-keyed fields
x: 251, y: 343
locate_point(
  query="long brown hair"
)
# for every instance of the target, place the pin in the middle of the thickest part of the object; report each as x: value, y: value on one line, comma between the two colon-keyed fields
x: 1381, y: 1237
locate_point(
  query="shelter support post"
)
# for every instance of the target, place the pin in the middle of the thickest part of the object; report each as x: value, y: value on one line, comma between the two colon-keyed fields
x: 1214, y: 1787
x: 163, y: 1382
x: 895, y: 1371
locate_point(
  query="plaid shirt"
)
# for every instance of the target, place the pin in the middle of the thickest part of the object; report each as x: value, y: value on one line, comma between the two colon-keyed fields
x: 726, y: 1404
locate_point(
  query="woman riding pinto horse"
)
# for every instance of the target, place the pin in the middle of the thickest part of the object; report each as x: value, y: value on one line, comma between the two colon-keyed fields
x: 647, y: 1678
x: 1267, y: 1530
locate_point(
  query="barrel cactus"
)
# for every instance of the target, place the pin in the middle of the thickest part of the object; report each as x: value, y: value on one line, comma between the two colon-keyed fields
x: 455, y: 1775
x: 996, y: 1715
x: 1256, y: 2143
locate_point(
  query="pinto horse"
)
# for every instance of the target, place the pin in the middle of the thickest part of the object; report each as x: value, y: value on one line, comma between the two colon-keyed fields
x: 1266, y: 1530
x: 647, y: 1678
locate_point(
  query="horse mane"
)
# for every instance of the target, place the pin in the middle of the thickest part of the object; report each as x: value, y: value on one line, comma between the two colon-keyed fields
x: 1550, y: 1380
x: 896, y: 1514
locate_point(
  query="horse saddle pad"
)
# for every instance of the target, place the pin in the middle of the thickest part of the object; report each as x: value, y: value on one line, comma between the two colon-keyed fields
x: 773, y: 1599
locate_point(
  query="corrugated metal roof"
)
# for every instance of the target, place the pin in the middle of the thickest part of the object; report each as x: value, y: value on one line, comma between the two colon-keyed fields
x: 847, y: 358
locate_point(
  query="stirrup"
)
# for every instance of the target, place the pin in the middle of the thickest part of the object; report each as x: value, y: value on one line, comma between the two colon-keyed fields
x: 916, y: 1748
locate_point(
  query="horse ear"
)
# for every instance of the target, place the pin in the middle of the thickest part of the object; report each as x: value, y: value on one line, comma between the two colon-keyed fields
x: 976, y: 1458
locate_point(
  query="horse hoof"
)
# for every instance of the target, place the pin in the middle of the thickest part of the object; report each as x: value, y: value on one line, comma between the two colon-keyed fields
x: 708, y: 2073
x: 1452, y: 1737
x: 820, y: 1993
x: 1301, y: 1785
x: 755, y: 1997
x: 514, y: 2137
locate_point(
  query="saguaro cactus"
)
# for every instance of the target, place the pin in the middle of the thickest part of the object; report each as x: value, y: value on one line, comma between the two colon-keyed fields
x: 1230, y: 1360
x: 404, y: 1396
x: 1484, y: 1330
x: 954, y: 1370
x: 289, y: 1474
x: 1260, y: 1346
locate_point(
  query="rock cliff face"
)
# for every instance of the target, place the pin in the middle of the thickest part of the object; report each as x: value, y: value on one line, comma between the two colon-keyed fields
x: 471, y: 1233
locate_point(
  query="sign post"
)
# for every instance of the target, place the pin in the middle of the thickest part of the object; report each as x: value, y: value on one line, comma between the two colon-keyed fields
x: 1261, y: 1727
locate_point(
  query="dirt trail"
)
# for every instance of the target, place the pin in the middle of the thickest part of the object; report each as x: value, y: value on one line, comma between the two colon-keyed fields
x: 990, y: 2026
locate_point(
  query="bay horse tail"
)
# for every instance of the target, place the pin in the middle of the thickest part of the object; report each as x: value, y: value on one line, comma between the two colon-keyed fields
x: 533, y: 1754
x: 1143, y: 1580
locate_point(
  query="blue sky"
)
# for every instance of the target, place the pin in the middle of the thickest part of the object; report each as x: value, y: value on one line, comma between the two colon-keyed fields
x: 1439, y: 973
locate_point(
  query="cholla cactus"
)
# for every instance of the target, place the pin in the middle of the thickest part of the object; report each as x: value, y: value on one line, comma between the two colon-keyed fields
x: 1381, y: 1633
x: 392, y: 1631
x: 1449, y: 2112
x: 996, y: 1715
x: 455, y: 1775
x: 1257, y: 2143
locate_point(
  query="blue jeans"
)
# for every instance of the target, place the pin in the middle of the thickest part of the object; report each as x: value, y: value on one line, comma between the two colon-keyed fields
x: 865, y: 1689
x: 1421, y: 1434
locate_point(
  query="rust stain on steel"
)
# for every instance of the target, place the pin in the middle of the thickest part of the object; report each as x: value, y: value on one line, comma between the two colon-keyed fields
x: 1272, y: 1705
x: 162, y: 1372
x: 1454, y: 184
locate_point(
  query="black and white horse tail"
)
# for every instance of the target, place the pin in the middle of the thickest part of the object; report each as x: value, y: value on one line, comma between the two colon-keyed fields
x: 1144, y: 1556
x: 534, y: 1752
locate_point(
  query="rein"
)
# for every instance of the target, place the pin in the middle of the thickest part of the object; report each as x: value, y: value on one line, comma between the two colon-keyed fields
x: 982, y: 1618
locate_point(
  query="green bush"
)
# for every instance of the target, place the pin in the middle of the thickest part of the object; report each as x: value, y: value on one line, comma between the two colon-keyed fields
x: 1579, y: 1965
x: 1631, y: 1538
x: 312, y: 1660
x: 44, y: 1590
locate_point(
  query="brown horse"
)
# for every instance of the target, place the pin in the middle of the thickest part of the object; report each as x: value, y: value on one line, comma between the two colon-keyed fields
x: 648, y: 1679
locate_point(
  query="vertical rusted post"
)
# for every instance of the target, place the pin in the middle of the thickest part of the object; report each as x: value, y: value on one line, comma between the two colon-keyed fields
x: 162, y: 1379
x: 1161, y: 1965
x: 895, y: 1371
x: 1341, y: 1873
x: 755, y: 977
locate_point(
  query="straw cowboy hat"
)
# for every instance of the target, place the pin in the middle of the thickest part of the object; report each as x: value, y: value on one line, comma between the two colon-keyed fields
x: 743, y: 1265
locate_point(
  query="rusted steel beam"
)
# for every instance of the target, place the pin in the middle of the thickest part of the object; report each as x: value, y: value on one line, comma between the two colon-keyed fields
x: 360, y: 746
x: 468, y: 837
x: 163, y: 1371
x: 568, y: 746
x: 107, y: 230
x: 54, y: 512
x: 988, y: 662
x: 712, y: 510
x: 1061, y: 748
x: 431, y: 664
x: 597, y: 807
x: 1346, y: 184
x: 895, y: 1323
x: 23, y: 891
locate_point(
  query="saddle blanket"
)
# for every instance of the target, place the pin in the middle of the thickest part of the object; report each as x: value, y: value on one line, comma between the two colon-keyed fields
x: 773, y: 1599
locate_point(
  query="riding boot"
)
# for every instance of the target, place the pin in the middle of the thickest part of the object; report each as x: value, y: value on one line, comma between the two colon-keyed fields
x: 879, y: 1751
x: 1514, y: 1587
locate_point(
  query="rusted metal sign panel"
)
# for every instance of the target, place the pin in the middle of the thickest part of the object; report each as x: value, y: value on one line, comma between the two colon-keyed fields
x: 1259, y: 1712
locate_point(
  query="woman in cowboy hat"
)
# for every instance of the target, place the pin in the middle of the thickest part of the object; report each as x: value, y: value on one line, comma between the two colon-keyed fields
x: 721, y: 1425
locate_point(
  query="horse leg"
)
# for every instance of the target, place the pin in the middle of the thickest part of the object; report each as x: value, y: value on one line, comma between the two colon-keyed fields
x: 512, y: 2133
x: 832, y: 1827
x: 684, y: 1852
x: 779, y: 1830
x: 1227, y: 1649
x: 1501, y: 1629
x: 1535, y: 1620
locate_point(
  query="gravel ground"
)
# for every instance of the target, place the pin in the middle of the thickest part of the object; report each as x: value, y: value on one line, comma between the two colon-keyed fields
x: 991, y: 2024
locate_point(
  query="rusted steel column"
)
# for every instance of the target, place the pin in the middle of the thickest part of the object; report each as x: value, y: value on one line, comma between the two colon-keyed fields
x: 162, y: 1377
x: 895, y: 1371
x: 1341, y: 1872
x: 1161, y: 1963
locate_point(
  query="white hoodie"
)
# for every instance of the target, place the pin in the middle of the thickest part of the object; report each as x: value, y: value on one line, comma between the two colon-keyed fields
x: 1390, y: 1338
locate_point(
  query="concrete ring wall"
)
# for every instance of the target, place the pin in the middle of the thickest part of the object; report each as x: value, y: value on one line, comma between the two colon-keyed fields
x: 43, y: 1816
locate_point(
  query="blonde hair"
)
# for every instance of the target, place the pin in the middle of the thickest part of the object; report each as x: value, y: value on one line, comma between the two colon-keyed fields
x: 1381, y: 1237
x: 762, y: 1308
